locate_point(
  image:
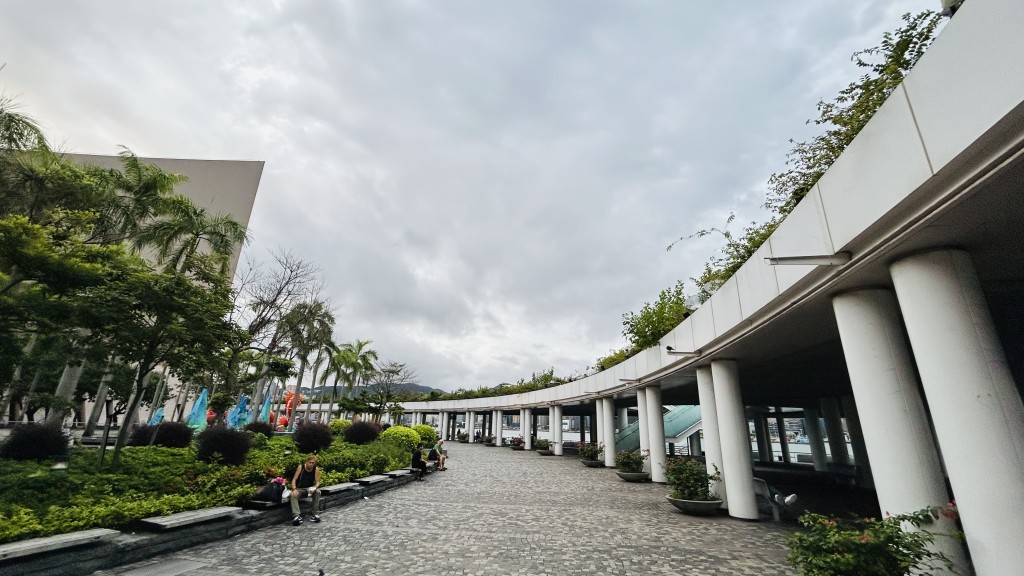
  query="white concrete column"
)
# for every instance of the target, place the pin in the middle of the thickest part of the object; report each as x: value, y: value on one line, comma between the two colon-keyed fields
x: 469, y: 426
x: 905, y: 462
x: 599, y: 415
x: 834, y: 428
x: 609, y: 432
x: 443, y: 426
x: 644, y: 425
x: 528, y: 432
x: 522, y: 424
x: 812, y: 423
x: 499, y: 427
x: 709, y: 424
x: 556, y: 428
x: 737, y: 472
x: 976, y: 410
x: 656, y: 433
x: 623, y: 419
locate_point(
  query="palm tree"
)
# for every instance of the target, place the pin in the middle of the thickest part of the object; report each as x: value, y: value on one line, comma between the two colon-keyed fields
x: 183, y: 227
x: 17, y: 131
x: 353, y: 364
x: 308, y: 327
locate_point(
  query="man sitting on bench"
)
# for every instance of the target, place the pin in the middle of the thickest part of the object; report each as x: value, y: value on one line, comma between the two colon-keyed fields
x: 417, y: 461
x: 306, y: 482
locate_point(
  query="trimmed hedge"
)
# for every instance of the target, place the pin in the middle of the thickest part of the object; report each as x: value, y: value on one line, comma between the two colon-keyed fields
x: 312, y: 437
x: 406, y: 438
x: 427, y: 434
x: 260, y: 428
x: 35, y: 442
x: 362, y: 433
x: 339, y: 426
x: 169, y: 434
x: 231, y: 445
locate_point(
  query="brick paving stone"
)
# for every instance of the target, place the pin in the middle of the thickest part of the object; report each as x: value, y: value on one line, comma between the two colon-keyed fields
x: 500, y: 512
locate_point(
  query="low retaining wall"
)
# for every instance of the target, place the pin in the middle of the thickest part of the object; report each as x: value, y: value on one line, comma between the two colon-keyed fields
x: 132, y: 547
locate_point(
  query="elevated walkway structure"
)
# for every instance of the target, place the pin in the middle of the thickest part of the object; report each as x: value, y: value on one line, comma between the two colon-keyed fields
x: 680, y: 423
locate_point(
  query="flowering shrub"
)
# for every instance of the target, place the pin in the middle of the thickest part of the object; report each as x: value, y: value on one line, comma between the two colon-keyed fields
x: 592, y: 451
x: 868, y: 546
x: 630, y: 461
x: 515, y: 441
x: 690, y: 480
x: 542, y: 444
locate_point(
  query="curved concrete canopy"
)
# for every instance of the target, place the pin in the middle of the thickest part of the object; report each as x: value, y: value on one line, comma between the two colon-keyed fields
x: 940, y: 165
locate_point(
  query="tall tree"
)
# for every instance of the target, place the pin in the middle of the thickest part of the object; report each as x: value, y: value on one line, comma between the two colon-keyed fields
x: 182, y: 228
x: 387, y: 384
x: 308, y: 326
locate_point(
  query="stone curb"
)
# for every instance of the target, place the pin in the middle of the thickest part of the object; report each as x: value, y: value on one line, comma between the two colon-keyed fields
x: 132, y: 547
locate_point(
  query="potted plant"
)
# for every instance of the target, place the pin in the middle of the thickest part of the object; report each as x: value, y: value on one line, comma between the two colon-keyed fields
x: 516, y: 442
x: 543, y: 447
x: 872, y: 547
x: 630, y: 465
x: 592, y: 455
x: 488, y: 440
x: 462, y: 438
x: 691, y: 486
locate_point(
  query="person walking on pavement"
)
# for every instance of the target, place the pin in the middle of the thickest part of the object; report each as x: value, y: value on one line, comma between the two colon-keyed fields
x: 306, y: 482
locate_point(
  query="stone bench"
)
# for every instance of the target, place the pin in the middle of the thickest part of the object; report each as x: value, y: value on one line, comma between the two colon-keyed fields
x: 367, y: 481
x: 49, y: 544
x: 171, y: 521
x: 398, y: 473
x: 335, y: 488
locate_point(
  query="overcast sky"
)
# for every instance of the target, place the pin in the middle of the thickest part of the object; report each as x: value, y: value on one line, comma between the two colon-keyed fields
x: 486, y: 186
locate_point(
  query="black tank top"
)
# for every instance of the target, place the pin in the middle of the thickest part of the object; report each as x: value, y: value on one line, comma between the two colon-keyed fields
x: 307, y: 478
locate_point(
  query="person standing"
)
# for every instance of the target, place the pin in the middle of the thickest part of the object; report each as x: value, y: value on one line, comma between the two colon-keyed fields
x: 306, y: 482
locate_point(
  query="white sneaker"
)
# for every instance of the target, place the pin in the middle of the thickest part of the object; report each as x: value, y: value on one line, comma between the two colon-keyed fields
x: 790, y: 499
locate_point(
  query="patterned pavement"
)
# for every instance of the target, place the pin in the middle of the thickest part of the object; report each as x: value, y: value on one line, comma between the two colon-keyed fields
x: 496, y: 512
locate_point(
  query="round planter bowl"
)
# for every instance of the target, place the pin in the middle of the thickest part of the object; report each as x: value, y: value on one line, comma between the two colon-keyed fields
x: 545, y: 452
x: 520, y: 447
x: 593, y: 463
x: 634, y: 476
x: 696, y: 507
x: 489, y: 444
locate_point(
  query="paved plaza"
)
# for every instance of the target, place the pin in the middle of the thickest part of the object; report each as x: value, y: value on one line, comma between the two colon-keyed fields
x: 496, y: 511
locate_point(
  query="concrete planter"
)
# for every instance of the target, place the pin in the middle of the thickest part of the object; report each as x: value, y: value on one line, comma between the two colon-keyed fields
x: 545, y: 452
x: 520, y: 447
x: 593, y: 463
x: 634, y: 476
x: 696, y: 507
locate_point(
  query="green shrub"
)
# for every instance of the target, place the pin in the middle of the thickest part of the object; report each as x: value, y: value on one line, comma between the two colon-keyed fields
x: 231, y: 445
x: 690, y: 480
x: 312, y: 437
x: 362, y: 433
x: 170, y: 434
x: 591, y: 451
x: 427, y: 434
x: 339, y: 426
x: 35, y: 442
x: 407, y: 438
x: 541, y: 444
x: 868, y: 546
x: 263, y: 428
x: 630, y: 461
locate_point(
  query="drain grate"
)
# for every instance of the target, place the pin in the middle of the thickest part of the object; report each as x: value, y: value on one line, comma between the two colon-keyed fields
x: 167, y: 568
